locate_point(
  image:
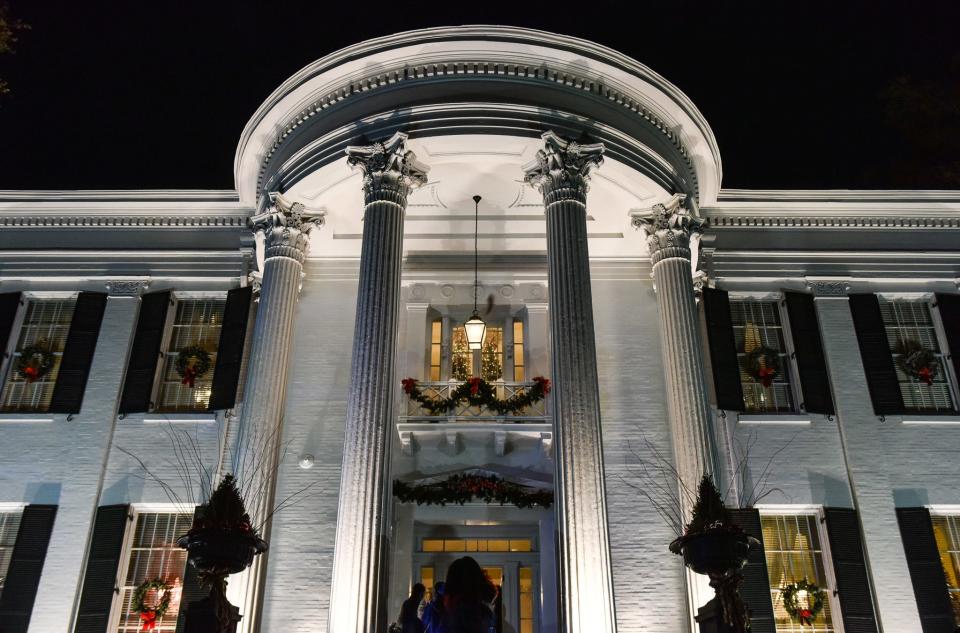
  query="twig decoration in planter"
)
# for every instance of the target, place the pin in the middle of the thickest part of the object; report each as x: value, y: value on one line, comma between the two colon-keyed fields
x: 479, y: 393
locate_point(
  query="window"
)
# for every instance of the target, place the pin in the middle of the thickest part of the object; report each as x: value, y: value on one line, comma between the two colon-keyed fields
x: 9, y: 526
x: 462, y: 355
x: 196, y: 322
x: 436, y: 346
x: 909, y: 322
x: 794, y: 551
x: 476, y: 545
x: 491, y: 358
x: 757, y: 325
x: 154, y: 554
x: 45, y: 326
x: 518, y: 360
x: 526, y: 600
x: 946, y: 529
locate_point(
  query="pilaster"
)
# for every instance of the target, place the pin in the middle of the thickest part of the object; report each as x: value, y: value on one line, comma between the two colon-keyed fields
x: 561, y: 173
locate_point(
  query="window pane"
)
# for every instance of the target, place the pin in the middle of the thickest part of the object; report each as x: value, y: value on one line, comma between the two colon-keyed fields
x: 45, y: 326
x: 432, y: 545
x: 946, y: 529
x: 462, y: 360
x: 197, y: 323
x: 756, y: 324
x: 519, y: 365
x: 9, y: 525
x: 436, y: 342
x: 909, y: 322
x: 491, y: 359
x: 792, y: 545
x: 154, y: 555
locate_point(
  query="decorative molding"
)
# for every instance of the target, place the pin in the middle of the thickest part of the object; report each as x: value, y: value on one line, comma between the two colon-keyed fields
x: 829, y: 287
x: 838, y: 220
x: 122, y: 221
x: 389, y: 169
x: 126, y: 287
x: 500, y: 443
x: 285, y: 229
x: 561, y: 170
x: 669, y: 227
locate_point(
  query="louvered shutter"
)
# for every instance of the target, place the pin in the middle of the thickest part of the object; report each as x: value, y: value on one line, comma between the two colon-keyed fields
x: 755, y: 589
x: 78, y: 353
x: 723, y: 350
x: 875, y: 352
x: 850, y: 570
x: 145, y: 353
x: 26, y: 565
x: 233, y: 334
x: 9, y: 304
x: 103, y: 567
x: 191, y: 592
x: 811, y: 363
x: 926, y: 570
x: 949, y: 306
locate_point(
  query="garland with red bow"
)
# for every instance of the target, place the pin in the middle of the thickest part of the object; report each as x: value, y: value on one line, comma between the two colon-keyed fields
x: 763, y: 363
x: 479, y: 393
x: 150, y: 613
x: 812, y: 595
x: 192, y: 362
x: 463, y: 488
x: 917, y: 361
x: 35, y: 361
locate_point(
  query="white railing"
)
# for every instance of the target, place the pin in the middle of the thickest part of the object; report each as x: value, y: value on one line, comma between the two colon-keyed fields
x: 535, y: 412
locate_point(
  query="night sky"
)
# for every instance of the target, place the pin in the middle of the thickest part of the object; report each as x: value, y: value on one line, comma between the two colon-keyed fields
x: 116, y: 94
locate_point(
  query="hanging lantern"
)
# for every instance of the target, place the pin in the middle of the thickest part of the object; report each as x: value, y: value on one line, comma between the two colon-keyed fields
x: 475, y: 327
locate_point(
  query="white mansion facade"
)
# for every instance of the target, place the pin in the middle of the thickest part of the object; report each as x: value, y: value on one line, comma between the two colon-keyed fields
x: 801, y: 346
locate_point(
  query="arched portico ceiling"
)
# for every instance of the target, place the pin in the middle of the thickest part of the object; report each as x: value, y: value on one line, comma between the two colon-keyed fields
x: 478, y: 80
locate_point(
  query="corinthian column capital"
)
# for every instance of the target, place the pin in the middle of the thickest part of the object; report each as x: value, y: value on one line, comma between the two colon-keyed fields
x: 389, y: 169
x: 669, y: 227
x: 561, y: 170
x: 285, y: 228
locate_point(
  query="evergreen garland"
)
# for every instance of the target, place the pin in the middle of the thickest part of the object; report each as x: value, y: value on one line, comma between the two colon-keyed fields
x: 479, y: 393
x: 463, y: 488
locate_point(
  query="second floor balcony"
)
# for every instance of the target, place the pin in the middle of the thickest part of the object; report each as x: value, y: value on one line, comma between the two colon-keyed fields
x: 535, y: 411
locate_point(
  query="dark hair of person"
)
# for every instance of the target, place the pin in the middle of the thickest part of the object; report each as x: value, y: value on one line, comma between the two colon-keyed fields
x: 467, y: 583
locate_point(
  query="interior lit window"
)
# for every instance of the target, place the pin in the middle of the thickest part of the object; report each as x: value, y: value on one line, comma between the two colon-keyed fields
x: 519, y: 365
x: 526, y: 600
x: 491, y: 358
x: 794, y: 553
x: 476, y: 545
x: 436, y: 344
x: 46, y: 324
x: 946, y: 529
x: 9, y: 526
x: 758, y: 329
x: 908, y: 322
x: 427, y: 580
x: 197, y: 323
x: 462, y: 359
x: 153, y: 555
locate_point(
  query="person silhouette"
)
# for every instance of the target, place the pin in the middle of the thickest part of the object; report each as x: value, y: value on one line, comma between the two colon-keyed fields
x: 468, y: 598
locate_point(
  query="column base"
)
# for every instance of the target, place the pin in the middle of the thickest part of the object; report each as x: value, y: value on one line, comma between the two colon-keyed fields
x: 710, y: 619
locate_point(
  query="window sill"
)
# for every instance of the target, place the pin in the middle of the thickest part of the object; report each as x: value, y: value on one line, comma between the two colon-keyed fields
x: 930, y: 420
x: 173, y: 418
x: 802, y: 419
x: 28, y: 418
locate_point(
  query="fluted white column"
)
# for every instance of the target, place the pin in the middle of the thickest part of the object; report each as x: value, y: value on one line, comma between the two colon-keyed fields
x: 285, y: 230
x: 561, y: 172
x: 668, y: 229
x: 356, y: 599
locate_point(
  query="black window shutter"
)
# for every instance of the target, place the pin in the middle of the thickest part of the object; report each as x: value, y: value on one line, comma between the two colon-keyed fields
x: 875, y: 352
x: 191, y: 591
x: 145, y: 353
x: 755, y: 589
x: 78, y: 353
x: 949, y: 306
x: 850, y: 570
x: 9, y: 304
x: 226, y: 373
x: 805, y: 330
x: 926, y: 570
x: 723, y: 350
x: 103, y: 564
x: 26, y: 564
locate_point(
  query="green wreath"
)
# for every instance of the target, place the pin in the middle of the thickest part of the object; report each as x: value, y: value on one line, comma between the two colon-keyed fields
x: 916, y: 361
x: 479, y: 393
x: 192, y: 362
x: 150, y: 613
x: 763, y: 363
x: 35, y: 361
x: 804, y: 614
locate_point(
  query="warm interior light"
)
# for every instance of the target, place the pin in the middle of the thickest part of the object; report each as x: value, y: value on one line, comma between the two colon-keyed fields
x: 475, y: 329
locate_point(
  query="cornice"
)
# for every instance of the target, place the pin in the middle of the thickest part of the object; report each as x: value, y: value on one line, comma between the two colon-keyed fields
x: 178, y: 196
x: 121, y: 221
x: 801, y: 220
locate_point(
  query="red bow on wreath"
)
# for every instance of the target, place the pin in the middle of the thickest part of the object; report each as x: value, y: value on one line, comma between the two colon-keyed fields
x: 409, y: 384
x: 544, y: 384
x: 806, y: 617
x: 925, y: 375
x: 189, y: 376
x: 474, y: 386
x: 148, y: 620
x: 766, y: 374
x: 31, y: 373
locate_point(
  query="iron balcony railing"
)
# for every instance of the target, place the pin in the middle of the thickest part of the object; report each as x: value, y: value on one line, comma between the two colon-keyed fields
x: 536, y: 412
